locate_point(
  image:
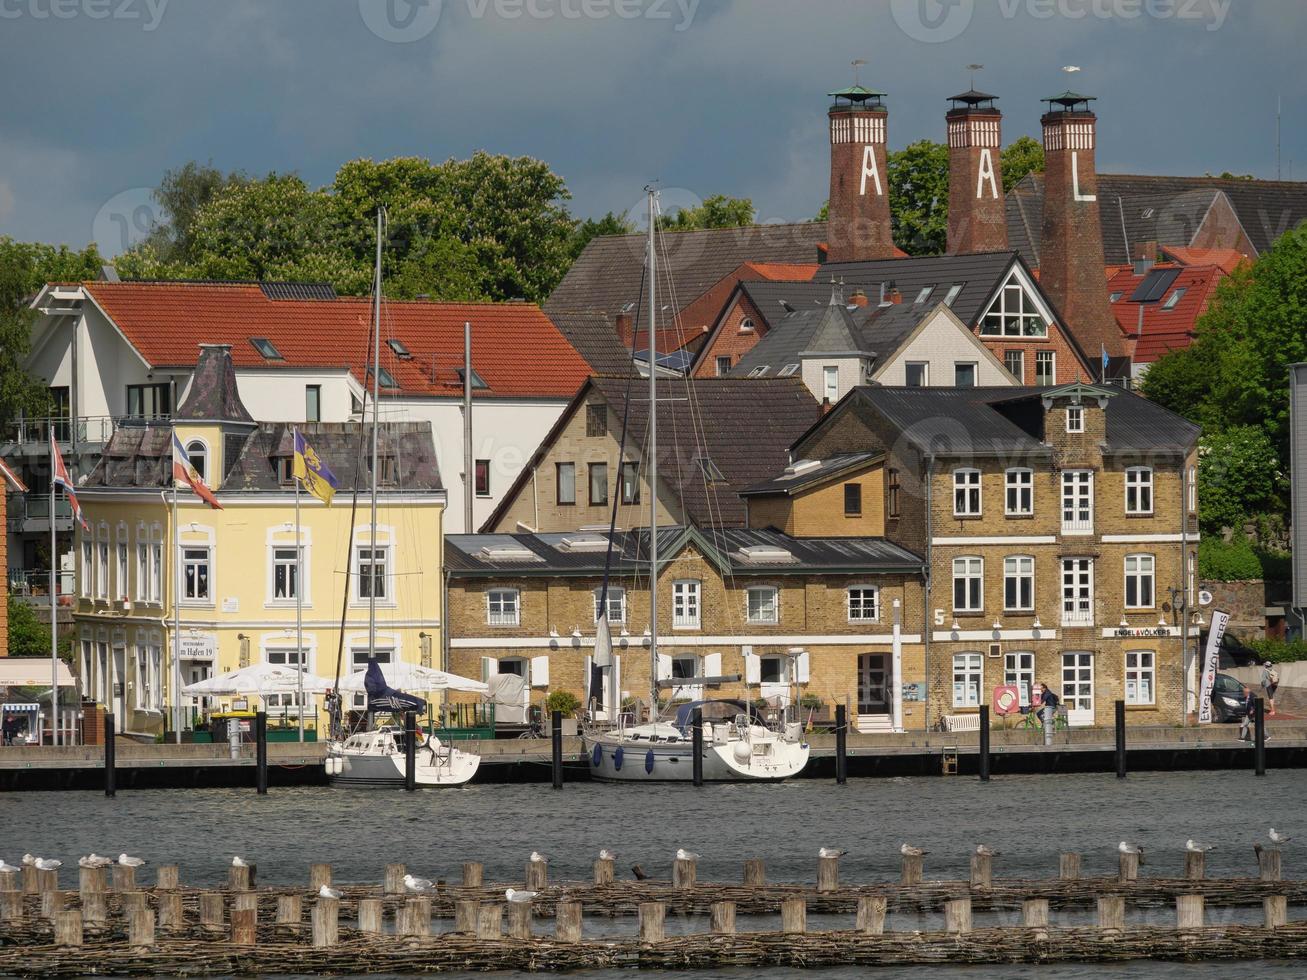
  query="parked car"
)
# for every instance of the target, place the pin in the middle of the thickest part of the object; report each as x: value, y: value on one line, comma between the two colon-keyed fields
x: 1227, y: 699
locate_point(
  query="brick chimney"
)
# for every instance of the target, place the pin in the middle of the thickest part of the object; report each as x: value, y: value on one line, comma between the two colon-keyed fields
x: 1071, y: 262
x: 858, y: 298
x: 977, y: 215
x: 625, y: 330
x: 858, y: 223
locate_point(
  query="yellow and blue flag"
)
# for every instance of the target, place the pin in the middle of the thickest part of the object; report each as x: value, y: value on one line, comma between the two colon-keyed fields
x: 310, y: 470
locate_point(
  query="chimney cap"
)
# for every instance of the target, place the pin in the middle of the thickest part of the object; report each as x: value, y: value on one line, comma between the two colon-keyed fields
x: 972, y: 98
x: 1069, y: 101
x: 857, y: 96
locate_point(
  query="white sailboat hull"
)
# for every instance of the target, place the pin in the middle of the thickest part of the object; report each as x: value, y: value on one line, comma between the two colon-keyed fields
x: 765, y: 758
x: 383, y: 766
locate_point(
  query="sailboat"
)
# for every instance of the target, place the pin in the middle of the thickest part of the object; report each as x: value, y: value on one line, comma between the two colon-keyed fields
x: 377, y: 756
x: 738, y: 744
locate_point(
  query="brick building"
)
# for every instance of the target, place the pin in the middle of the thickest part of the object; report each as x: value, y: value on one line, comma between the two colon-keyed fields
x: 838, y: 616
x: 1060, y: 529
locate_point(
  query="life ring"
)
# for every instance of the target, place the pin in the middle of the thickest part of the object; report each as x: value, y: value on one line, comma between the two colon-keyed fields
x: 1007, y: 699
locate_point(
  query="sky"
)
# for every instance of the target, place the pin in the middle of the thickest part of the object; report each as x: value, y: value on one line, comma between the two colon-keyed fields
x: 704, y: 96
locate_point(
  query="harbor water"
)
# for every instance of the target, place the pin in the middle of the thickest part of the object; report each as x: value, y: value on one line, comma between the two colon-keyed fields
x: 1029, y: 819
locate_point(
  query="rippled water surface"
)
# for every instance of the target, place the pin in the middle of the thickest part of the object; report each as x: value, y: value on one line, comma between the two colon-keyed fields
x: 1030, y: 819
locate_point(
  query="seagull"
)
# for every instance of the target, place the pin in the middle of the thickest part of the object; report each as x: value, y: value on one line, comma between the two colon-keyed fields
x: 48, y: 864
x: 683, y: 855
x: 418, y: 885
x: 907, y: 850
x: 238, y: 862
x: 7, y: 868
x: 1070, y: 68
x: 1197, y: 848
x: 1125, y: 848
x: 832, y: 852
x: 986, y: 851
x: 127, y: 861
x: 606, y: 855
x: 28, y: 860
x: 1278, y: 838
x: 94, y: 860
x: 538, y: 858
x: 520, y: 896
x: 326, y: 891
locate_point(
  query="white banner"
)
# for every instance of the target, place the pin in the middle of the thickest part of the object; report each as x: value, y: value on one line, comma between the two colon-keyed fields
x: 1211, y: 661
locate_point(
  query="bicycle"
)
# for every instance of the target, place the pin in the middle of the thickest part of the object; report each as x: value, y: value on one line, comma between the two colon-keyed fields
x: 1033, y: 721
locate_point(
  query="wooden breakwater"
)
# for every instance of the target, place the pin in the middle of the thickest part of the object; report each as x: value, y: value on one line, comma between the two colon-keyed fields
x: 112, y: 925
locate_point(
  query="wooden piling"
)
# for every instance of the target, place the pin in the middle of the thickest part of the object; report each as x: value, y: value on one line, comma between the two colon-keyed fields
x: 416, y: 920
x: 245, y: 902
x: 871, y: 914
x: 490, y: 920
x: 567, y: 921
x: 1276, y: 910
x: 124, y: 878
x: 170, y: 912
x: 828, y: 874
x: 47, y: 881
x: 911, y: 874
x: 1111, y: 912
x: 290, y: 910
x: 319, y: 875
x: 326, y: 922
x: 240, y: 877
x: 1195, y: 865
x: 132, y: 901
x: 11, y: 881
x: 684, y: 873
x: 95, y: 908
x: 1127, y: 867
x: 755, y: 872
x: 1034, y: 913
x: 140, y: 927
x: 68, y: 928
x: 90, y: 880
x: 794, y: 916
x: 371, y: 915
x: 537, y: 876
x: 722, y: 918
x: 1068, y: 866
x: 1268, y: 864
x: 653, y: 917
x: 212, y: 911
x: 465, y: 916
x: 604, y: 871
x: 31, y: 882
x: 957, y: 915
x: 166, y: 878
x: 244, y: 927
x: 519, y: 920
x: 1189, y: 911
x: 473, y: 874
x: 982, y: 870
x: 395, y: 879
x: 11, y: 906
x: 52, y: 903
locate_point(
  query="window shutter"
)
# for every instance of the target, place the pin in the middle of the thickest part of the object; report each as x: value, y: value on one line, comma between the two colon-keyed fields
x: 712, y: 665
x: 489, y: 668
x: 752, y: 669
x: 801, y: 667
x: 540, y: 671
x: 664, y: 667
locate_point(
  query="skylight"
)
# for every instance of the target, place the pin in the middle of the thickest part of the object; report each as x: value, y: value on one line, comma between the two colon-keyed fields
x: 786, y: 371
x: 759, y: 371
x: 477, y: 381
x: 801, y: 466
x: 398, y: 347
x: 507, y: 552
x: 584, y: 542
x: 764, y: 554
x: 385, y: 378
x: 1115, y: 296
x: 264, y: 346
x: 952, y: 293
x: 1176, y: 295
x: 924, y: 294
x: 710, y: 470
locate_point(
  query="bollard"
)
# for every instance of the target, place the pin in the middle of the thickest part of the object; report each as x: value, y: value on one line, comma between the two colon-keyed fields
x: 261, y: 753
x: 1276, y: 910
x: 326, y: 922
x: 52, y: 903
x: 1195, y: 865
x: 604, y: 871
x: 871, y: 914
x: 11, y: 906
x: 31, y: 882
x: 1120, y: 740
x: 1259, y: 737
x: 1268, y: 864
x: 166, y: 878
x: 473, y: 874
x: 371, y: 915
x: 653, y: 916
x: 556, y: 748
x: 519, y: 920
x: 696, y: 747
x: 794, y: 916
x: 124, y: 878
x: 1111, y: 912
x: 90, y: 880
x: 1189, y: 911
x: 537, y: 875
x: 134, y: 901
x: 1034, y: 913
x: 211, y: 911
x: 12, y: 881
x: 110, y: 758
x: 755, y: 873
x: 140, y: 927
x: 290, y: 910
x: 1128, y: 867
x: 245, y: 902
x: 490, y: 921
x: 240, y: 877
x: 417, y: 917
x: 911, y: 874
x: 244, y: 927
x: 722, y: 918
x: 465, y: 916
x: 47, y: 881
x: 567, y: 921
x: 841, y: 745
x: 68, y: 928
x: 684, y: 873
x: 319, y: 875
x: 410, y: 751
x: 95, y: 908
x: 982, y: 870
x: 170, y: 912
x: 983, y: 763
x: 1068, y: 866
x: 395, y: 879
x: 957, y: 915
x: 828, y: 874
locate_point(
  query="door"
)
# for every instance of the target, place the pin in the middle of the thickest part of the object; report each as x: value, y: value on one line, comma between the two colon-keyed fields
x: 873, y: 684
x: 1078, y: 687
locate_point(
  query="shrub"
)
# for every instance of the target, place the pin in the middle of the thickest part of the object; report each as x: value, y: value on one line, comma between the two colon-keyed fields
x: 1279, y: 651
x: 564, y: 701
x: 1240, y: 560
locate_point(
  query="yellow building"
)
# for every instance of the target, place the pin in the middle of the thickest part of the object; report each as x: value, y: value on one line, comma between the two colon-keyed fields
x: 164, y: 602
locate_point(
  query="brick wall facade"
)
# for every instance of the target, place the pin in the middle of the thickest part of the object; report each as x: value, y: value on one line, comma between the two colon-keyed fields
x: 729, y: 340
x: 977, y: 218
x: 858, y: 226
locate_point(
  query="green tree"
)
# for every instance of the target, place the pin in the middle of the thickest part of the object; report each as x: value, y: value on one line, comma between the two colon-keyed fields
x: 609, y: 224
x: 918, y: 197
x: 1239, y: 476
x: 716, y: 211
x: 28, y: 636
x: 181, y: 194
x: 1023, y: 156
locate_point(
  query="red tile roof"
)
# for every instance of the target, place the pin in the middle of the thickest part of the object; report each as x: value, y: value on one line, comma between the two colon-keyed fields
x: 698, y: 316
x: 1163, y: 329
x: 1227, y: 259
x: 516, y: 349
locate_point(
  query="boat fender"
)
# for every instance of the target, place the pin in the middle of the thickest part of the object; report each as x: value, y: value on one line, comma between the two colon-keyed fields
x: 648, y: 761
x: 330, y: 765
x: 741, y: 751
x: 598, y: 757
x: 617, y: 759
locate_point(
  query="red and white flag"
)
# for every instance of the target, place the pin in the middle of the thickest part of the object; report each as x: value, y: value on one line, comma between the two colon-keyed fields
x: 184, y: 471
x: 59, y: 478
x: 13, y: 479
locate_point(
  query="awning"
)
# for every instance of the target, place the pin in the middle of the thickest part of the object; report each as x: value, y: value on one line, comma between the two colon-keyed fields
x: 20, y: 706
x: 31, y: 672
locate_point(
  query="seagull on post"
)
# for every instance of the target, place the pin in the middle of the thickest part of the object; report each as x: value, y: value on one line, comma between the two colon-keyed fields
x: 127, y: 861
x: 7, y: 868
x: 1278, y: 838
x: 520, y: 896
x: 238, y: 862
x: 606, y: 855
x: 1126, y: 848
x: 48, y: 864
x: 907, y: 850
x: 419, y: 886
x: 832, y: 852
x: 1197, y: 848
x: 94, y: 860
x: 538, y: 858
x: 683, y: 855
x: 984, y: 850
x: 326, y: 891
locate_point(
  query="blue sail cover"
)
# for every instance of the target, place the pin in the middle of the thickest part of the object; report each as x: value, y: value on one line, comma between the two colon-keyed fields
x: 382, y: 697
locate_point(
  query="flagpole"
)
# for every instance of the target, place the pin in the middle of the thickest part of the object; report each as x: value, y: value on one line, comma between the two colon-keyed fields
x: 176, y: 617
x: 54, y: 610
x: 299, y: 596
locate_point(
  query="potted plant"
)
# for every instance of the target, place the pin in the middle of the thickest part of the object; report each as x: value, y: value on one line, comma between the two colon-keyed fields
x: 567, y: 703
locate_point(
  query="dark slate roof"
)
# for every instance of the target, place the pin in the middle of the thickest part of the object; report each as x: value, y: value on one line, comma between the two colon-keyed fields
x: 980, y: 273
x: 770, y: 297
x: 812, y: 475
x: 878, y: 330
x: 1168, y: 210
x: 606, y: 276
x: 464, y: 556
x: 213, y: 395
x: 595, y: 339
x: 141, y: 456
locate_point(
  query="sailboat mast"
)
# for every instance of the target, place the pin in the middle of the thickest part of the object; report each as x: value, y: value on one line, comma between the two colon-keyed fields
x: 653, y: 468
x: 376, y: 421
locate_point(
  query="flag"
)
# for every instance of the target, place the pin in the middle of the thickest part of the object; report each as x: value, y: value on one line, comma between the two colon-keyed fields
x: 1104, y: 350
x: 312, y: 471
x: 184, y: 470
x: 59, y: 478
x: 14, y: 480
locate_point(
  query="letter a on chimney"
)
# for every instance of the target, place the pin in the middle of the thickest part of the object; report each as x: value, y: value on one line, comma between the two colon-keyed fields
x: 869, y: 170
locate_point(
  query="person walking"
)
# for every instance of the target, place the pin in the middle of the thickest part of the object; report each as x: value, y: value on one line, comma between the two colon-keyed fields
x: 1248, y: 710
x: 1048, y: 704
x: 1270, y: 682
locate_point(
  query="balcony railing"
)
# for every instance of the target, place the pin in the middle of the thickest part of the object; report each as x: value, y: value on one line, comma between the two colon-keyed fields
x: 32, y: 436
x: 1077, y: 612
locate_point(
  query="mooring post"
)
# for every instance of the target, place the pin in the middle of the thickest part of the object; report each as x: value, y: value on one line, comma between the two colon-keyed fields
x: 124, y: 878
x: 133, y: 901
x: 95, y: 908
x: 326, y: 922
x: 11, y: 881
x: 1120, y: 740
x: 473, y: 874
x: 1068, y: 866
x: 68, y: 928
x: 110, y: 758
x: 841, y: 745
x: 984, y: 744
x: 871, y: 914
x: 1195, y: 865
x: 319, y: 875
x: 490, y: 921
x: 140, y: 927
x: 1268, y: 864
x: 912, y: 865
x: 755, y: 872
x: 90, y: 881
x: 47, y: 881
x: 519, y: 920
x: 556, y: 747
x: 1034, y: 913
x: 1128, y: 867
x: 211, y: 911
x: 290, y: 909
x: 261, y: 753
x: 1189, y: 911
x: 603, y: 871
x: 537, y: 875
x: 684, y: 873
x: 170, y: 911
x: 240, y: 877
x: 567, y: 921
x: 1111, y: 912
x: 652, y: 918
x: 417, y: 917
x: 1276, y: 910
x: 395, y: 879
x: 244, y: 927
x: 465, y: 915
x: 982, y: 870
x: 957, y: 915
x: 166, y: 878
x: 696, y: 747
x: 31, y: 879
x: 794, y: 916
x: 410, y: 751
x: 11, y: 906
x: 722, y: 918
x: 828, y: 873
x: 371, y: 915
x: 1259, y: 737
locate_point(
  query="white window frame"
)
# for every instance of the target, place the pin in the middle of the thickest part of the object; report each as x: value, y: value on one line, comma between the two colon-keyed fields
x: 616, y: 603
x: 1078, y: 670
x: 1019, y: 669
x: 122, y: 564
x: 686, y: 606
x: 102, y: 564
x: 1013, y: 322
x: 830, y: 383
x: 1193, y: 489
x: 156, y: 569
x: 276, y: 560
x: 1019, y: 483
x: 198, y: 556
x: 1019, y: 568
x: 925, y: 373
x: 287, y: 703
x: 1075, y: 418
x: 1139, y: 486
x: 1077, y: 576
x: 142, y: 592
x: 685, y: 692
x: 198, y: 449
x: 1050, y: 357
x: 1140, y: 669
x: 767, y: 609
x: 723, y: 364
x: 975, y: 373
x: 86, y: 585
x: 504, y: 607
x: 1140, y: 570
x: 968, y: 679
x: 1019, y: 355
x: 969, y: 569
x: 1078, y: 499
x: 857, y: 600
x: 966, y: 489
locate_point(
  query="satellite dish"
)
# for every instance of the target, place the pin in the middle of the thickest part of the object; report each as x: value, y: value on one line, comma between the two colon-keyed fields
x: 1204, y: 598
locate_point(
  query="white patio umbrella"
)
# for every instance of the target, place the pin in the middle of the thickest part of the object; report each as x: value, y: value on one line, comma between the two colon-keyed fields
x: 412, y: 677
x: 258, y: 679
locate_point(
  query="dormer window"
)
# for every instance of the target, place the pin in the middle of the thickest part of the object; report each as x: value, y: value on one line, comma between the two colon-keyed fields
x: 1075, y: 418
x: 265, y: 348
x: 285, y: 470
x: 746, y: 325
x: 199, y: 456
x: 1013, y: 313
